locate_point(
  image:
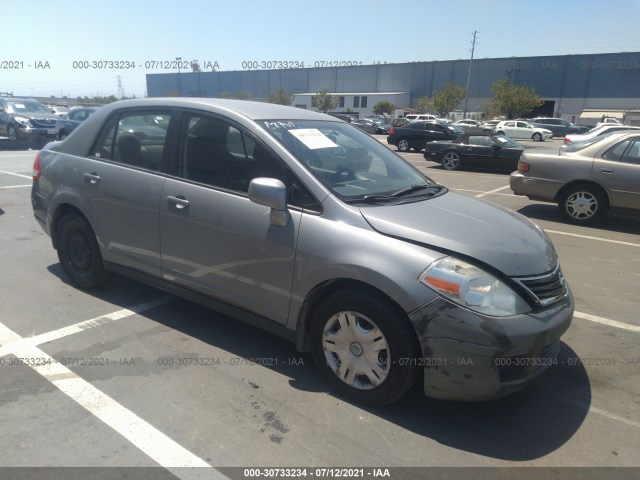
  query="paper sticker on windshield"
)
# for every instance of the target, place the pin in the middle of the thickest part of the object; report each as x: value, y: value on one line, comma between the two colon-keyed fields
x: 500, y: 139
x: 313, y: 138
x: 19, y: 105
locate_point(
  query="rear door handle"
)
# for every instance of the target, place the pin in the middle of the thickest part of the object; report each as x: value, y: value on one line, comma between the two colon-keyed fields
x: 92, y: 177
x: 180, y: 202
x: 607, y: 171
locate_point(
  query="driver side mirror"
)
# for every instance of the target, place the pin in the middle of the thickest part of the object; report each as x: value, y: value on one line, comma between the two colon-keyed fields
x: 272, y: 193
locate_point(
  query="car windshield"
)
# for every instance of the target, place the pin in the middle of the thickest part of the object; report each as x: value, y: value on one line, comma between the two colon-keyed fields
x: 349, y: 162
x: 28, y: 106
x: 507, y: 142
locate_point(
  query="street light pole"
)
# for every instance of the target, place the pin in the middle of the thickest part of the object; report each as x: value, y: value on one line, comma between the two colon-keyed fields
x: 466, y: 92
x: 179, y: 59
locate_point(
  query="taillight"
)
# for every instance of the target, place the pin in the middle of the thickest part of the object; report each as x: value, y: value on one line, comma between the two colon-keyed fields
x: 36, y: 168
x: 566, y: 140
x: 523, y: 167
x: 392, y: 131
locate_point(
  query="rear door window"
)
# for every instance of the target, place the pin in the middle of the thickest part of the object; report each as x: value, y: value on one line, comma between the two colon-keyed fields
x: 134, y: 138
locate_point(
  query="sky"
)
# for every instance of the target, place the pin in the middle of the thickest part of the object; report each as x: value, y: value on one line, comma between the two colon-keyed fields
x: 46, y: 44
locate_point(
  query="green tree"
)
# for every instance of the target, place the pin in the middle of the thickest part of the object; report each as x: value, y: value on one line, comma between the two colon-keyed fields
x: 324, y: 101
x: 238, y: 96
x: 423, y: 104
x: 447, y: 99
x: 280, y: 97
x: 511, y: 100
x: 383, y: 107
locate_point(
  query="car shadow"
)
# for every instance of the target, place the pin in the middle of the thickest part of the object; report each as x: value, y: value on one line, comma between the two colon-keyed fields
x: 612, y: 222
x: 524, y: 426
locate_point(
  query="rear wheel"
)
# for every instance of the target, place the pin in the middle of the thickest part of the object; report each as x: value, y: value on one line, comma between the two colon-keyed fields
x: 582, y: 204
x: 79, y: 253
x: 403, y: 145
x: 451, y: 160
x: 364, y: 347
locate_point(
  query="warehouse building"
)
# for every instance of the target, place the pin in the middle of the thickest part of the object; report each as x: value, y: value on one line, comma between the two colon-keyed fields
x: 569, y: 84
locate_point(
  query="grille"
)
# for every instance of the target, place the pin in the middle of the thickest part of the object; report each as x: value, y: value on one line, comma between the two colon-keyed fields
x: 545, y: 289
x: 43, y: 123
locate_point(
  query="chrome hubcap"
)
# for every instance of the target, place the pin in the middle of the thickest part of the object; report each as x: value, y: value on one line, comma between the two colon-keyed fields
x: 356, y: 350
x: 451, y: 160
x: 582, y: 205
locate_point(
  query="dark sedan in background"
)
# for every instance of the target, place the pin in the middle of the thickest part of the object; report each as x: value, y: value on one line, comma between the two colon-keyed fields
x: 475, y: 150
x: 68, y: 123
x: 417, y: 134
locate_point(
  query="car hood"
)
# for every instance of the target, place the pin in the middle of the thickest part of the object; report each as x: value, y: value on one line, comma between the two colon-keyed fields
x: 457, y: 223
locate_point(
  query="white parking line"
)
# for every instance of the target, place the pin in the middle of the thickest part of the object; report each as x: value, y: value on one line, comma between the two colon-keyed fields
x: 158, y: 446
x: 8, y: 344
x: 588, y: 237
x: 15, y: 186
x: 16, y: 174
x: 613, y: 416
x: 606, y: 321
x: 484, y: 194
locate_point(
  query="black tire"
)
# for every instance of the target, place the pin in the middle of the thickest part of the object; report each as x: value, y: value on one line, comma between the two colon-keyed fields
x: 536, y: 137
x: 499, y: 133
x: 62, y: 134
x: 79, y: 253
x: 451, y: 160
x: 12, y: 133
x: 396, y: 367
x: 404, y: 145
x: 582, y: 204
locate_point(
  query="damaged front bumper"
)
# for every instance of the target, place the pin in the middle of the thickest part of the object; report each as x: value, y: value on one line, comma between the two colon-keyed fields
x: 473, y: 357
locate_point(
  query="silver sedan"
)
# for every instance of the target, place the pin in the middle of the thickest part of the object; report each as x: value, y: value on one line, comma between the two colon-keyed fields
x: 586, y: 179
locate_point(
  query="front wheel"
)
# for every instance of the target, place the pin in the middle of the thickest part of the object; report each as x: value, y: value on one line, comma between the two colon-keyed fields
x: 12, y: 133
x: 451, y: 161
x: 79, y: 253
x: 582, y: 204
x: 536, y: 137
x: 404, y: 145
x: 364, y: 348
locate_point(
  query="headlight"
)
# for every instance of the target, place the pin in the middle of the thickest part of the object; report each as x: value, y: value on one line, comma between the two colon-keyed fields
x: 472, y: 288
x: 22, y: 120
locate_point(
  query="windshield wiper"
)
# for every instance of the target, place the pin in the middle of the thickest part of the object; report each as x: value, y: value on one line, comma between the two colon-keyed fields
x: 369, y: 199
x: 413, y: 188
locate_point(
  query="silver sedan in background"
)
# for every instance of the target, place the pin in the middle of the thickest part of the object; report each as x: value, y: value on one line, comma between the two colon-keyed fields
x: 586, y: 179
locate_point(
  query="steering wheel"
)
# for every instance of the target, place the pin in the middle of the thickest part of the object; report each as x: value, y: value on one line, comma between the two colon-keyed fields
x: 342, y: 174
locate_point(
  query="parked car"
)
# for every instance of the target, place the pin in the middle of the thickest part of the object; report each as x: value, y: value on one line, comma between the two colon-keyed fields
x: 595, y: 132
x: 421, y: 117
x: 522, y: 130
x: 342, y: 116
x: 68, y: 123
x: 27, y: 120
x: 307, y: 227
x: 417, y: 134
x: 558, y: 126
x: 366, y: 125
x: 475, y: 150
x: 586, y: 179
x: 382, y: 126
x: 489, y: 126
x: 467, y: 123
x: 399, y: 122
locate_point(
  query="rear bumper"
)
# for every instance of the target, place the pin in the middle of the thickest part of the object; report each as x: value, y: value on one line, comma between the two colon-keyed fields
x: 534, y: 188
x: 471, y: 357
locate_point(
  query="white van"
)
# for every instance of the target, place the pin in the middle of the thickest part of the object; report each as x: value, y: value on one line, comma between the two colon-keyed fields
x: 420, y: 117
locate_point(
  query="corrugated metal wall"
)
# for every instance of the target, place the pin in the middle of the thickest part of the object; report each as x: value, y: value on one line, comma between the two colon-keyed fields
x: 573, y: 77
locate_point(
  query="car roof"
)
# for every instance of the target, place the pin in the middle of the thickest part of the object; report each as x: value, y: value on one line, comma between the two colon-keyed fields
x: 246, y: 108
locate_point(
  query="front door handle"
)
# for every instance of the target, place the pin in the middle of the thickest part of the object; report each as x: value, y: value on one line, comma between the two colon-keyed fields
x: 92, y: 177
x: 607, y: 171
x: 180, y: 202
